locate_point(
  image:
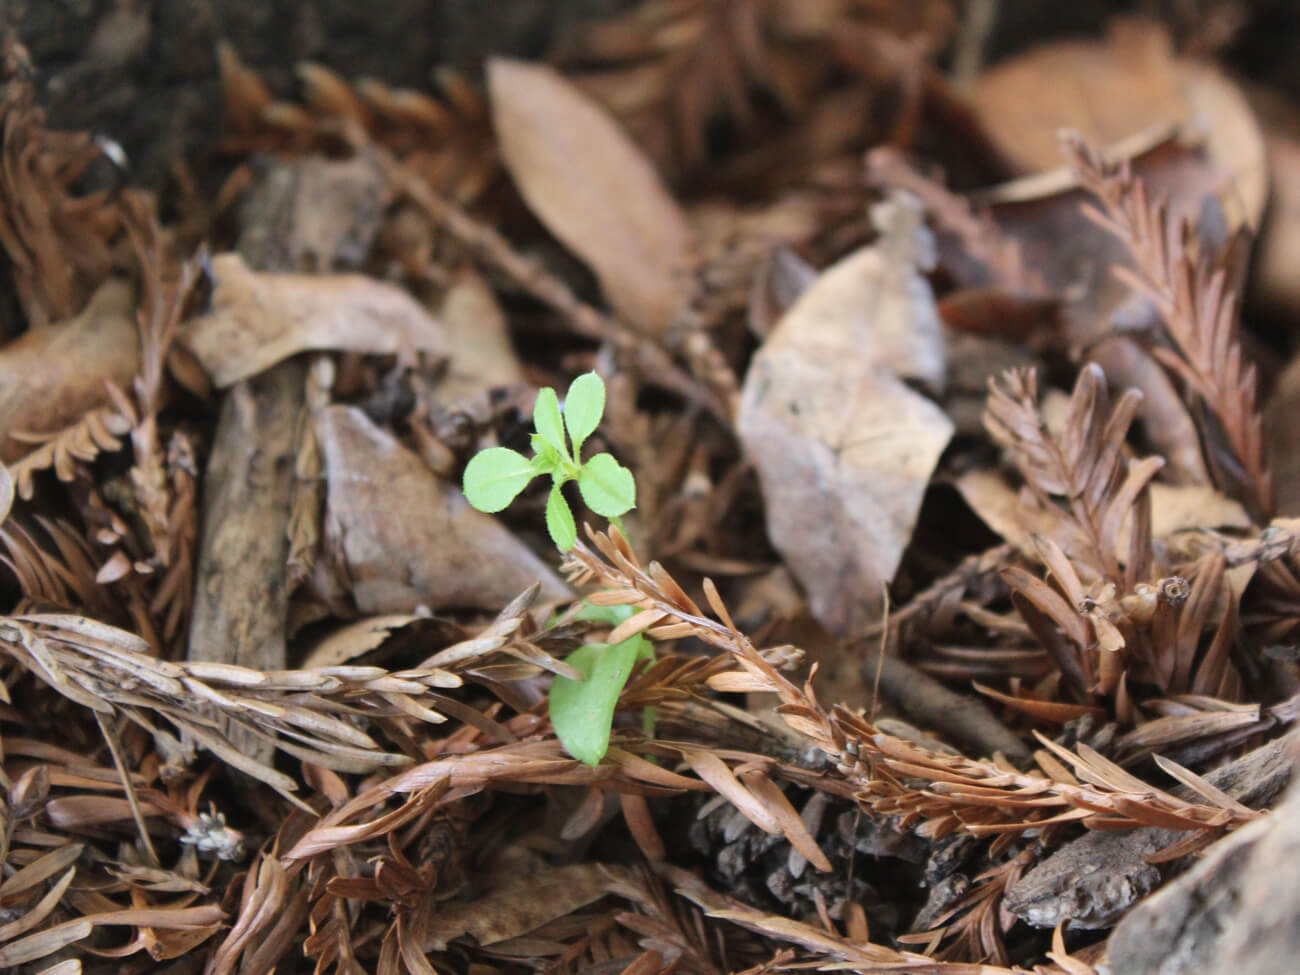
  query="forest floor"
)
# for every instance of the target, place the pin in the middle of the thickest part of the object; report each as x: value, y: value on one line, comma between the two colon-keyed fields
x: 927, y: 594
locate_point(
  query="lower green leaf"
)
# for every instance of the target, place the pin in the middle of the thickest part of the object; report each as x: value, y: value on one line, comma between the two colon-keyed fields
x: 493, y: 478
x: 559, y: 520
x: 582, y: 712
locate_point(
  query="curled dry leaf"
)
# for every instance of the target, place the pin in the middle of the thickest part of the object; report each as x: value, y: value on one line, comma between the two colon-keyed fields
x: 50, y: 377
x: 408, y: 539
x: 259, y: 319
x: 844, y: 448
x: 1113, y: 89
x: 594, y: 189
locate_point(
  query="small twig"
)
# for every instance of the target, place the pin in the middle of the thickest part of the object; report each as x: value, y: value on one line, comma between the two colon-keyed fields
x: 961, y: 718
x: 1199, y: 307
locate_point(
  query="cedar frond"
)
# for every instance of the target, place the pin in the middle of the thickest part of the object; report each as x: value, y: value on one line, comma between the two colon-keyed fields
x: 1201, y: 312
x: 100, y: 430
x: 985, y: 798
x: 60, y: 244
x: 1083, y: 464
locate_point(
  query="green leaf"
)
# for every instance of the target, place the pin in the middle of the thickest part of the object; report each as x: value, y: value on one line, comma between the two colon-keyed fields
x: 582, y: 712
x: 545, y: 459
x: 559, y: 520
x: 613, y: 615
x: 607, y: 486
x: 584, y: 405
x: 494, y: 477
x: 547, y: 420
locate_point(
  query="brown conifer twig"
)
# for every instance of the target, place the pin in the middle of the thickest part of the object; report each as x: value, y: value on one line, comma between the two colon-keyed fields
x: 1200, y: 310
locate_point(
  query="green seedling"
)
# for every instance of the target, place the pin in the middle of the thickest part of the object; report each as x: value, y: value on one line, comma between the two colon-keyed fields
x: 582, y: 711
x: 494, y: 477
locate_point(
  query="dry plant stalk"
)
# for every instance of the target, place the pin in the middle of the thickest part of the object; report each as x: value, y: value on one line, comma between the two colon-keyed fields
x: 1193, y: 293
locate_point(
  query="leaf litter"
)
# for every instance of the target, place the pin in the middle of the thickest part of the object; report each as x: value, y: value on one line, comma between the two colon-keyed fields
x: 962, y: 651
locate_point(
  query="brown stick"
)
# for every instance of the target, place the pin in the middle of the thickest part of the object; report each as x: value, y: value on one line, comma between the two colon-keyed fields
x: 962, y: 719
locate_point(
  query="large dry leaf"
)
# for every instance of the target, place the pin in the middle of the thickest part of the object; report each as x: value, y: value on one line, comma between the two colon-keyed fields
x: 1118, y: 87
x: 258, y: 319
x: 594, y: 189
x: 844, y: 448
x: 50, y: 377
x: 481, y: 352
x: 408, y: 539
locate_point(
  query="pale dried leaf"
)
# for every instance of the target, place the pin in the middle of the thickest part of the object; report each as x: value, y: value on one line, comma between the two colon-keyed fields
x: 259, y: 318
x: 844, y: 449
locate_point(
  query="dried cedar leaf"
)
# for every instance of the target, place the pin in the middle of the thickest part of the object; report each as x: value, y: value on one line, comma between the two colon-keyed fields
x: 259, y: 318
x: 408, y: 538
x: 594, y: 189
x: 844, y: 448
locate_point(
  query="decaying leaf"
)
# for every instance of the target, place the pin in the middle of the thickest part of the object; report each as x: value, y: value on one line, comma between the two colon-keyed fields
x: 481, y: 353
x: 1174, y: 508
x: 259, y: 318
x: 52, y: 376
x: 520, y: 905
x: 407, y: 539
x: 594, y: 190
x: 844, y: 448
x: 1110, y: 90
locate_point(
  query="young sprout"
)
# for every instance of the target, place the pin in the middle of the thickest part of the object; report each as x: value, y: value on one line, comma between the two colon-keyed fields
x: 494, y: 477
x: 582, y: 711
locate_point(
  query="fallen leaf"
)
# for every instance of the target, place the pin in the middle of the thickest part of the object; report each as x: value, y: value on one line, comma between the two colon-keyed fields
x: 258, y: 319
x: 482, y: 355
x: 1115, y: 88
x: 408, y: 539
x: 844, y: 448
x: 519, y: 904
x: 1282, y: 430
x: 50, y: 377
x: 1174, y: 508
x: 594, y: 190
x: 1275, y: 276
x: 349, y: 642
x: 1076, y: 258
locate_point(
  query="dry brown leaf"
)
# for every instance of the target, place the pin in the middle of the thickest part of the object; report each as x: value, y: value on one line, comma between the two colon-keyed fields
x: 1274, y: 281
x: 1174, y: 508
x: 50, y: 377
x: 407, y: 539
x: 1116, y: 88
x: 481, y: 352
x: 520, y: 904
x: 594, y: 189
x: 1282, y: 432
x: 351, y: 641
x: 843, y: 447
x: 258, y: 319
